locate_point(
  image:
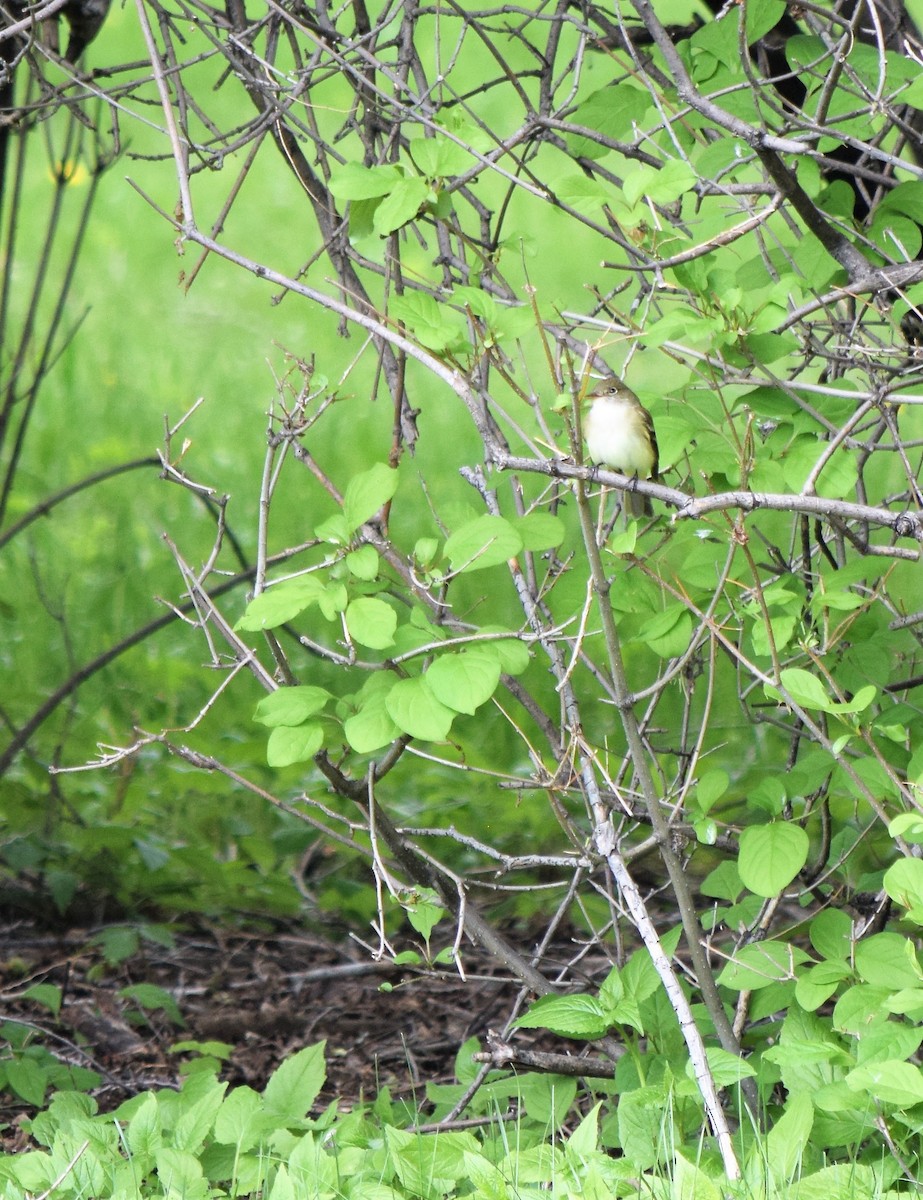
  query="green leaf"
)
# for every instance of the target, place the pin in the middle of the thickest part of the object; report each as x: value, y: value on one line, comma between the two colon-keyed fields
x: 761, y: 16
x: 153, y: 998
x: 667, y: 633
x: 290, y: 705
x: 758, y: 965
x: 888, y: 960
x: 364, y: 563
x: 415, y: 710
x: 435, y: 326
x: 711, y: 787
x: 371, y: 622
x: 47, y: 994
x: 371, y: 727
x: 771, y: 856
x: 611, y: 111
x: 513, y: 655
x: 280, y: 603
x: 352, y: 181
x: 464, y: 681
x: 807, y: 691
x: 293, y: 1087
x: 903, y: 882
x: 892, y: 1083
x: 568, y: 1016
x: 289, y: 745
x: 367, y: 493
x: 540, y: 531
x: 401, y: 205
x: 484, y: 542
x: 788, y: 1138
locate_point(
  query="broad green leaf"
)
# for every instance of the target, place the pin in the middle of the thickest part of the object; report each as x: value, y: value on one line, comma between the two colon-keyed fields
x: 289, y: 745
x: 903, y: 882
x: 691, y: 1183
x: 415, y: 710
x: 333, y: 600
x: 860, y: 1007
x: 788, y: 1138
x: 424, y: 910
x: 352, y: 181
x: 581, y: 193
x: 612, y: 112
x: 402, y: 203
x: 367, y: 493
x: 293, y: 1086
x: 760, y: 964
x: 144, y: 1134
x: 771, y: 856
x: 195, y: 1121
x: 888, y: 960
x: 761, y: 16
x: 439, y: 156
x: 667, y: 633
x: 540, y: 531
x: 710, y: 788
x: 364, y: 563
x: 47, y: 994
x: 435, y: 326
x: 816, y: 986
x: 577, y: 1016
x: 371, y: 622
x: 153, y: 998
x: 238, y: 1121
x: 281, y: 603
x: 464, y: 681
x: 484, y: 542
x: 641, y: 1125
x: 180, y: 1174
x: 513, y: 654
x: 371, y: 727
x: 290, y: 705
x: 585, y: 1138
x: 726, y: 1068
x: 831, y: 934
x: 893, y: 1083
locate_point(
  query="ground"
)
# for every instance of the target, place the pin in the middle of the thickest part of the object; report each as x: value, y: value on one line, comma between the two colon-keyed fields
x: 265, y: 994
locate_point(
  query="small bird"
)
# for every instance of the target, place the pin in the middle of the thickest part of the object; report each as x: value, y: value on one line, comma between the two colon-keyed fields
x: 620, y: 434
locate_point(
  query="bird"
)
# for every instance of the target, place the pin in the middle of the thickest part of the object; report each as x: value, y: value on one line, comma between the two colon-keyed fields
x: 619, y: 433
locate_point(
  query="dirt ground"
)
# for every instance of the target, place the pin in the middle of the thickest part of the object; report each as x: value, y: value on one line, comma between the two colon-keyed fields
x: 267, y: 995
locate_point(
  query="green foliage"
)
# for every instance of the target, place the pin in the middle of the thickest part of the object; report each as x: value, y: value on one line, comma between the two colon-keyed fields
x: 518, y: 696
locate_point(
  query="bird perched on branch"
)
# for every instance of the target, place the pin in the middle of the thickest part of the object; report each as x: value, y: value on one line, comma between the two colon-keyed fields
x: 620, y: 434
x: 85, y: 19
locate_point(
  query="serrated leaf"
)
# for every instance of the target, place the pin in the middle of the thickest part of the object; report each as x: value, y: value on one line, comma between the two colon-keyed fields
x: 771, y: 856
x: 287, y: 745
x: 484, y: 542
x: 568, y: 1016
x: 464, y: 681
x: 293, y: 1086
x: 290, y: 705
x: 371, y: 622
x: 367, y: 493
x: 416, y: 711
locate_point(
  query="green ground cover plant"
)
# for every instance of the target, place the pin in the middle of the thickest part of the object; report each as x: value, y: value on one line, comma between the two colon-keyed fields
x: 434, y: 641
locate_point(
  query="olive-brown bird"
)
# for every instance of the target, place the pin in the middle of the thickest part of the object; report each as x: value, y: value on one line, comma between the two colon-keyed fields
x: 620, y: 434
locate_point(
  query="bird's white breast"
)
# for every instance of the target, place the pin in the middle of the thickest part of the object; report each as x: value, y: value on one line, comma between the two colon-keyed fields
x: 615, y: 435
